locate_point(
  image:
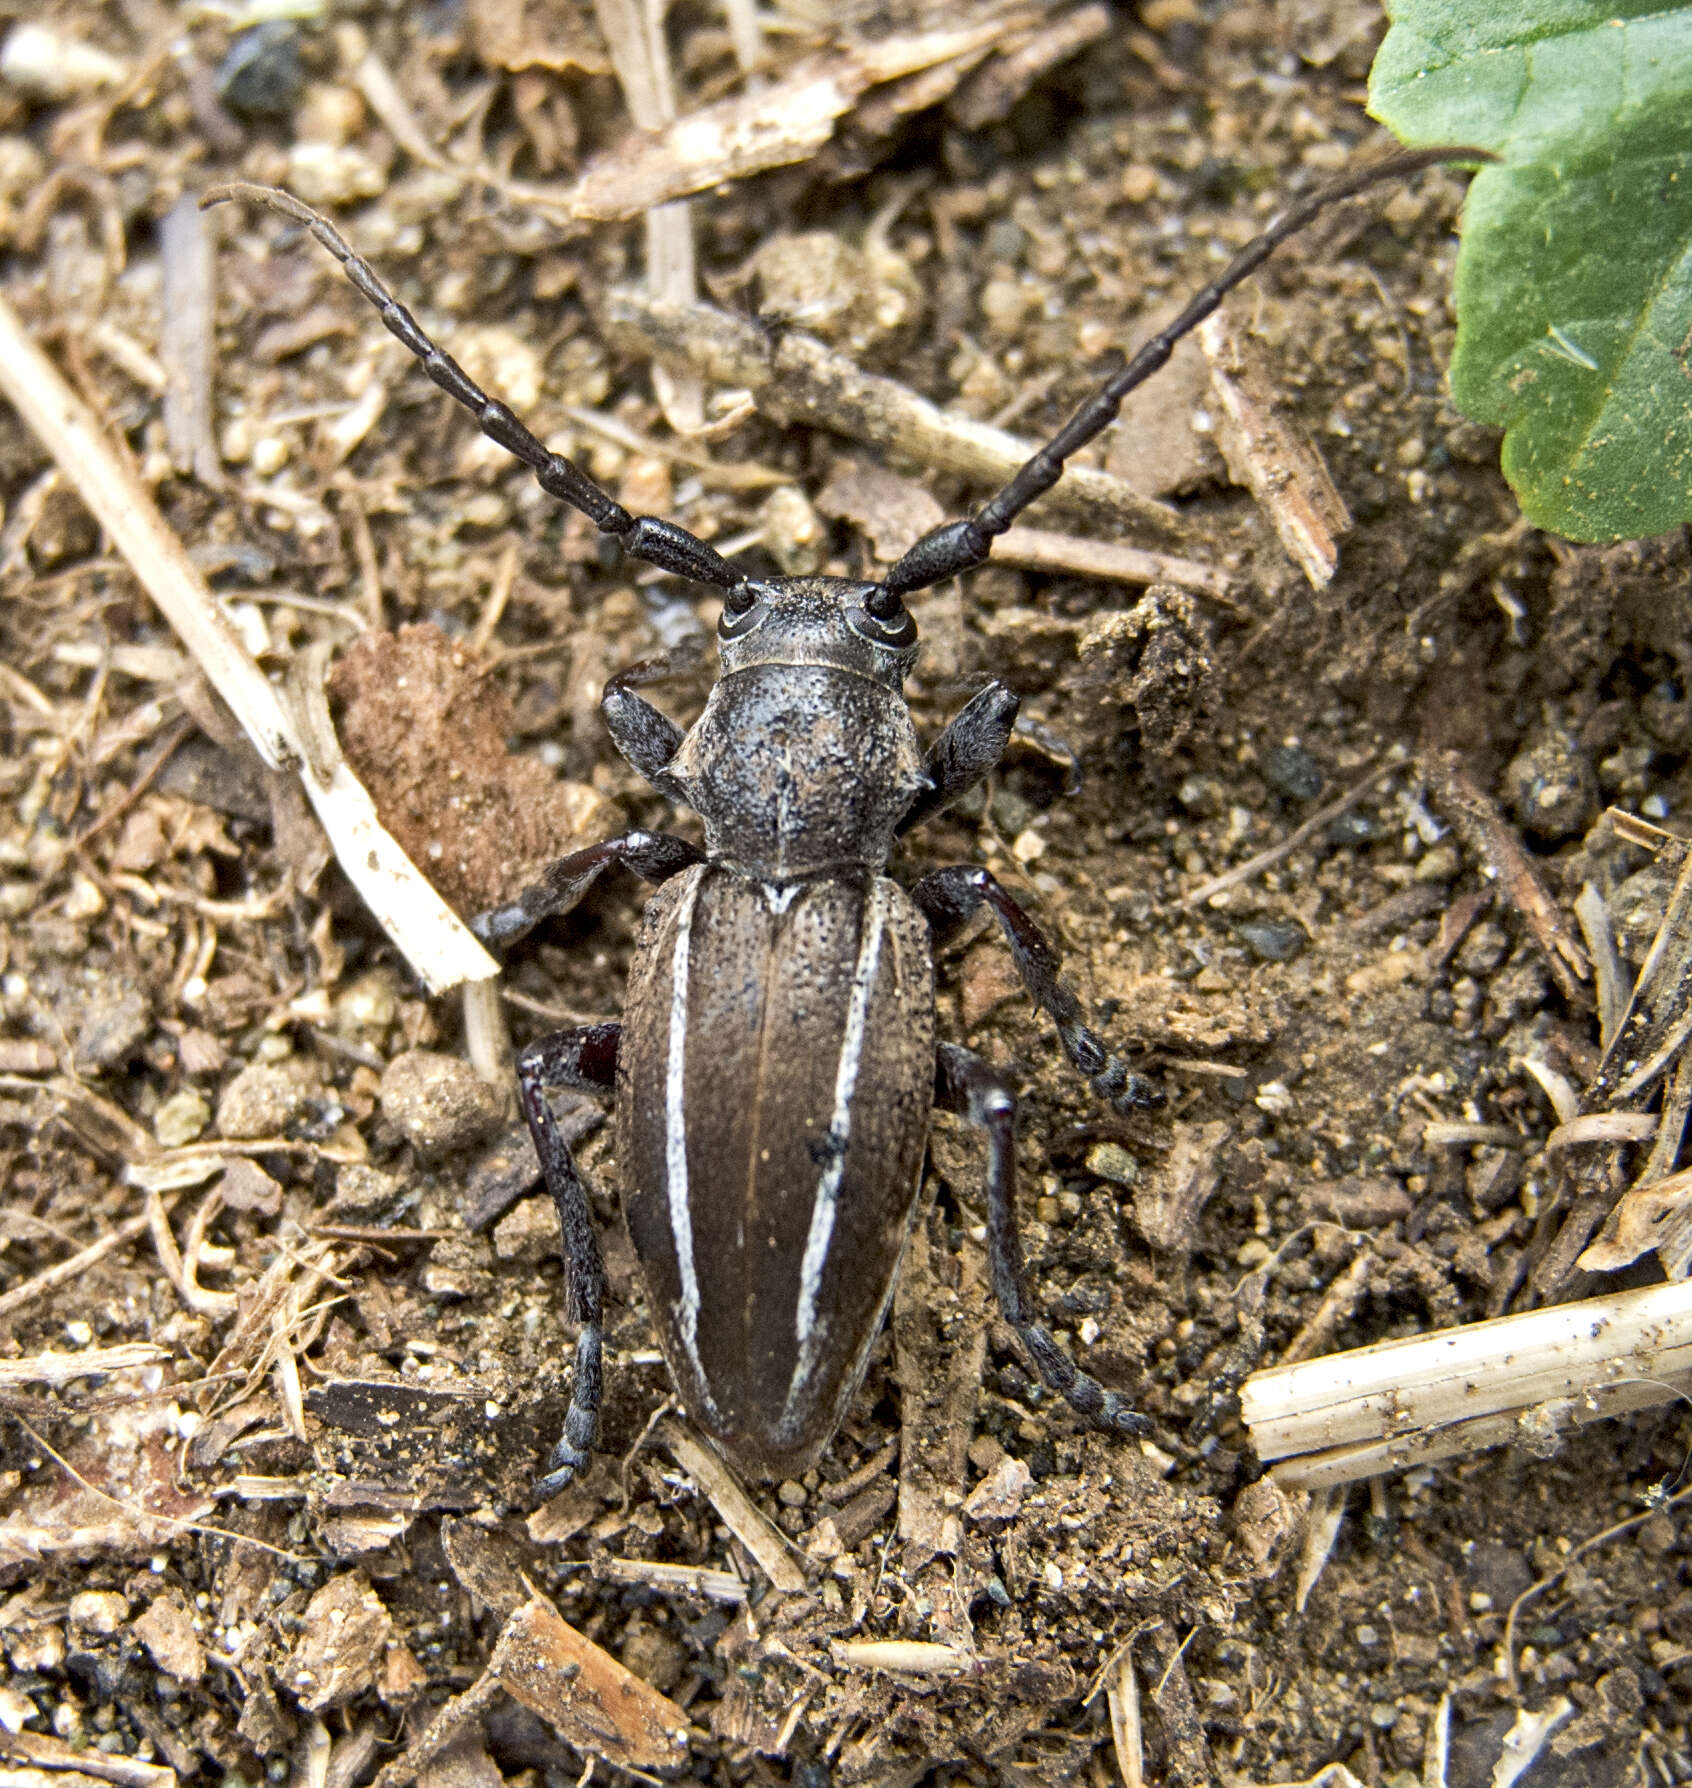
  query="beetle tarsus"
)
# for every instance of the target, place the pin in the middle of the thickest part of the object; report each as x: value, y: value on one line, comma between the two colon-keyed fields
x: 963, y: 1083
x: 950, y: 898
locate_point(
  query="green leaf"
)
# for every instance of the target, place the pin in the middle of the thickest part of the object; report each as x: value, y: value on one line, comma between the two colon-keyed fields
x: 1574, y: 283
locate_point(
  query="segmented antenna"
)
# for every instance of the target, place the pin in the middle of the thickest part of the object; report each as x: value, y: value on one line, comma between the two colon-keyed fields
x: 957, y: 546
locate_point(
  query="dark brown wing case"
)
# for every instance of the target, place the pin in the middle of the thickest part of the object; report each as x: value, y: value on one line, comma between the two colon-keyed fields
x: 773, y: 1086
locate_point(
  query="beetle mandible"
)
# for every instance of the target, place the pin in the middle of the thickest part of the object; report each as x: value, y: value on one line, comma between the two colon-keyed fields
x: 777, y: 1061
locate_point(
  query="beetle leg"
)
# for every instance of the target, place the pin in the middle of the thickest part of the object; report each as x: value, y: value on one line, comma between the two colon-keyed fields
x: 585, y: 1059
x: 951, y: 897
x: 647, y: 738
x: 971, y: 745
x: 965, y: 1084
x: 653, y: 856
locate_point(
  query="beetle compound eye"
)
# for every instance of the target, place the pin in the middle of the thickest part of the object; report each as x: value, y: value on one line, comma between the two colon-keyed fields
x: 884, y: 619
x: 742, y: 611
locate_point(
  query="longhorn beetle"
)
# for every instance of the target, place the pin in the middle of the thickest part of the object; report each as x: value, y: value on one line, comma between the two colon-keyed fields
x: 777, y: 1061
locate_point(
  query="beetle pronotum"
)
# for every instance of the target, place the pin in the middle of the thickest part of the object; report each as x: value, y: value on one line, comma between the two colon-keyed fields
x: 777, y: 1061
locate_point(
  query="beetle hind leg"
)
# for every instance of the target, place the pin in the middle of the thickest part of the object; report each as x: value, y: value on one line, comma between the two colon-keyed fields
x: 586, y: 1060
x: 964, y: 1084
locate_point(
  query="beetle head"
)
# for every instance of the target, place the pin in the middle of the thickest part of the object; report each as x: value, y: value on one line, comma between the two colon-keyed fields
x: 834, y: 621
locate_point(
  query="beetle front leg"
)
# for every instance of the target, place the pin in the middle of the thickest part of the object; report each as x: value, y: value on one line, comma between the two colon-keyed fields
x: 964, y: 1084
x: 647, y: 738
x: 973, y: 742
x: 950, y: 898
x: 653, y: 856
x: 584, y: 1059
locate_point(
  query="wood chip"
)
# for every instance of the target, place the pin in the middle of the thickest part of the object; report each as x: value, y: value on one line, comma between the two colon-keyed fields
x: 582, y: 1692
x: 1270, y: 452
x: 771, y: 126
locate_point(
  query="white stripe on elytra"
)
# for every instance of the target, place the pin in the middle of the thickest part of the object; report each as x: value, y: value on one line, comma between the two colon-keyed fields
x: 839, y: 1134
x: 675, y: 1134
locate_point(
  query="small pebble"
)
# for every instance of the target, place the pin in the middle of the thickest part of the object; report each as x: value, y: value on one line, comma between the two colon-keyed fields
x: 438, y: 1102
x: 1551, y: 787
x: 1656, y: 1537
x: 795, y: 536
x: 1202, y: 796
x: 333, y: 174
x: 527, y: 1234
x: 1272, y: 940
x: 113, y: 1028
x: 362, y: 1194
x: 1353, y: 829
x: 1290, y: 770
x: 1442, y: 864
x: 999, y: 1495
x: 100, y: 1611
x: 260, y: 1101
x: 791, y: 1495
x: 46, y: 64
x: 1028, y: 846
x: 180, y: 1118
x: 261, y: 75
x: 1111, y: 1161
x: 1637, y: 908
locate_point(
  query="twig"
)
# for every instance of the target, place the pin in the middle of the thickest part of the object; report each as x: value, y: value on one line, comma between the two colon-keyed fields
x: 89, y: 1760
x: 1486, y: 833
x: 910, y: 1657
x: 1322, y: 817
x: 126, y: 1232
x: 691, y: 1580
x: 439, y: 946
x: 774, y: 126
x: 60, y: 1369
x: 1043, y: 549
x: 794, y: 378
x: 1380, y: 1408
x: 188, y: 254
x: 741, y: 1515
x: 1271, y: 453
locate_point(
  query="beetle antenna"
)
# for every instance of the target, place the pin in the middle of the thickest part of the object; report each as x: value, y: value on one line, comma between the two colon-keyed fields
x: 646, y: 537
x: 957, y: 546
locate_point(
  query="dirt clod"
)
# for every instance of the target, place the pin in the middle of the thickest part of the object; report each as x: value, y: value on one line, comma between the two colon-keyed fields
x: 438, y: 1102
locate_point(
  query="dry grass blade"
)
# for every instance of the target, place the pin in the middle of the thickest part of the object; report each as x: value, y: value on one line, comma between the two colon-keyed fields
x: 435, y: 941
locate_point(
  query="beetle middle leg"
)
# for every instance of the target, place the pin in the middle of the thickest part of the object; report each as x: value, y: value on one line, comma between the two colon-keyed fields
x: 964, y: 1084
x: 586, y: 1060
x: 950, y: 898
